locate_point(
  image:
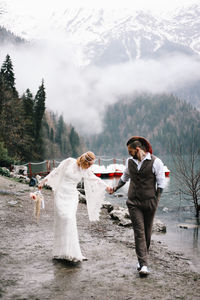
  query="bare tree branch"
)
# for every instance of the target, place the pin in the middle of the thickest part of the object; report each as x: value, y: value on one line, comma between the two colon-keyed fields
x: 187, y: 169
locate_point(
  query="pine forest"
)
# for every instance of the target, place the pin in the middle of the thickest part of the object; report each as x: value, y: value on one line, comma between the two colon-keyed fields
x: 29, y: 132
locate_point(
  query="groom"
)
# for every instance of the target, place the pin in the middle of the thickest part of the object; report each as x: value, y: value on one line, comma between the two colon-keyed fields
x: 147, y: 180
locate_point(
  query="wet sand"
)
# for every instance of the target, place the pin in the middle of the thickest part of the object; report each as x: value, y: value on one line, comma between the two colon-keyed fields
x: 27, y: 270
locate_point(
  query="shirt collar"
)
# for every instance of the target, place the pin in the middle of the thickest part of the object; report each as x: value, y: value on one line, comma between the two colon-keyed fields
x: 148, y: 157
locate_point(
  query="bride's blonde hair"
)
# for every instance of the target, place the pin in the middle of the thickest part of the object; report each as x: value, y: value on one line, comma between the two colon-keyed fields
x: 85, y: 159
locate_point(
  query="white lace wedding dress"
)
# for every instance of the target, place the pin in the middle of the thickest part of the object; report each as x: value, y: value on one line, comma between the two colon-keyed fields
x: 63, y: 181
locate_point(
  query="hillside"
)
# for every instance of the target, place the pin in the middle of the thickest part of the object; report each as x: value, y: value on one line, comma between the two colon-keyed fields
x: 61, y: 140
x: 160, y: 118
x: 7, y: 37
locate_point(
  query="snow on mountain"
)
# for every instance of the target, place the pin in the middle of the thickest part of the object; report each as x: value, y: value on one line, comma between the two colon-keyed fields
x: 117, y: 36
x: 113, y: 36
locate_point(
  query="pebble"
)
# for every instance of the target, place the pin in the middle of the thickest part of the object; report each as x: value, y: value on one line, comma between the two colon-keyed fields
x: 12, y: 203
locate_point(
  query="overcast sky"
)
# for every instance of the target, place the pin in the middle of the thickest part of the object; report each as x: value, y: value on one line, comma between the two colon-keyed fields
x: 45, y: 6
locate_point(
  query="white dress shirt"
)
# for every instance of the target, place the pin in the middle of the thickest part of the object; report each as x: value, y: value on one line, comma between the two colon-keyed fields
x: 157, y: 169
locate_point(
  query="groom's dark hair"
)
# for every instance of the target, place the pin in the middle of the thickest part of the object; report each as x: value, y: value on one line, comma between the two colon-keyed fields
x: 144, y: 143
x: 136, y: 144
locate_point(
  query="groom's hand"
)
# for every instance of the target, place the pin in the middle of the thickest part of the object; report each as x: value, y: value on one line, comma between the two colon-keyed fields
x: 109, y: 190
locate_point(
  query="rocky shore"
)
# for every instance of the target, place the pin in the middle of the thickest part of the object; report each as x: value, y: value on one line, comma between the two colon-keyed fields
x: 28, y: 271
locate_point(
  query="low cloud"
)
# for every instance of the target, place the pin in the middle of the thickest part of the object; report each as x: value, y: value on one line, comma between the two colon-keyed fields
x: 81, y: 94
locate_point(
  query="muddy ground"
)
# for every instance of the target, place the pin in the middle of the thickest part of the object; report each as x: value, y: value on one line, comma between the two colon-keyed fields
x: 27, y: 270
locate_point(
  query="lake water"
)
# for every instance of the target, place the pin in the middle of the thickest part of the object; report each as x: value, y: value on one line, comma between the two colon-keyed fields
x: 174, y: 211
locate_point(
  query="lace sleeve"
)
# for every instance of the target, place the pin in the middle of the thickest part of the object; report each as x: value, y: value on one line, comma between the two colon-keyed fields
x: 95, y: 194
x: 53, y: 179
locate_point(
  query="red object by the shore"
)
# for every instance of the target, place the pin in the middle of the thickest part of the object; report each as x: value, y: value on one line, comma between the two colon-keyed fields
x: 167, y: 171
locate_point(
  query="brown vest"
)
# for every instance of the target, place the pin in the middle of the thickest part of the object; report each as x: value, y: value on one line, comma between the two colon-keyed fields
x: 143, y: 182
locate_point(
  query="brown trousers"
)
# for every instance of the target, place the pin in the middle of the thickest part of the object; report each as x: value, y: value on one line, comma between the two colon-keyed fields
x: 142, y: 216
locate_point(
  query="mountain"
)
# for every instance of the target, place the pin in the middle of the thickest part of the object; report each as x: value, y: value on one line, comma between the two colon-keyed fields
x: 112, y: 36
x: 162, y: 119
x: 7, y: 37
x: 115, y: 37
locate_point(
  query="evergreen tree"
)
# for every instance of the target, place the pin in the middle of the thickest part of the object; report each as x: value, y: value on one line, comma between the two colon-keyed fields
x: 52, y: 135
x: 59, y: 131
x: 28, y: 103
x: 1, y: 93
x: 11, y: 122
x: 39, y: 109
x: 67, y: 149
x: 74, y: 141
x: 5, y: 160
x: 8, y: 76
x: 29, y: 125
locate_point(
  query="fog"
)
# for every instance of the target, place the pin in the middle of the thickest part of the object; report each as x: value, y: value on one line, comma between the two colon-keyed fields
x: 81, y: 93
x: 152, y: 5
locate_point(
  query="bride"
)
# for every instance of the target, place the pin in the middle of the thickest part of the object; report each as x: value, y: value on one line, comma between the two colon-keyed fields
x: 63, y: 181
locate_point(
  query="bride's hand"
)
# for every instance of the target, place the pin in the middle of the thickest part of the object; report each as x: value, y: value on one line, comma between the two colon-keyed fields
x: 109, y: 190
x: 40, y: 186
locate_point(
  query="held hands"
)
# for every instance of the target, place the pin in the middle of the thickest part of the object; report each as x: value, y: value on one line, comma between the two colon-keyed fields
x: 40, y: 185
x: 109, y: 190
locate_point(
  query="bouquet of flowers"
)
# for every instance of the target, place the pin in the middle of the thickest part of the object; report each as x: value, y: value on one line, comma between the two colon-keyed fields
x: 39, y: 203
